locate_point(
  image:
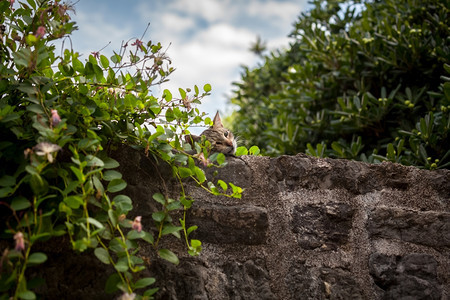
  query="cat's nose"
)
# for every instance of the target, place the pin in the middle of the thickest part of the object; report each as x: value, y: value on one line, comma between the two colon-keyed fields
x: 229, y: 142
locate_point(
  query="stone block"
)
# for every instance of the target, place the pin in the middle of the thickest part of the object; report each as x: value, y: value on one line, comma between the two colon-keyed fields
x: 325, y: 226
x: 247, y: 225
x: 428, y: 228
x: 411, y: 276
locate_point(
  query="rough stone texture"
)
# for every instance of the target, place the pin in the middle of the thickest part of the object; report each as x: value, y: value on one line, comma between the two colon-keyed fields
x: 325, y: 226
x: 248, y: 224
x: 411, y: 276
x: 427, y: 228
x: 305, y: 228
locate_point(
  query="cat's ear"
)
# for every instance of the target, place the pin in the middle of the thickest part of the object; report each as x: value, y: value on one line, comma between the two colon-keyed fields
x: 217, y: 122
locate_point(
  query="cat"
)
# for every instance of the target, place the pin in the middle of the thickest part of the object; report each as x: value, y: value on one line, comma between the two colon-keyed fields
x: 222, y: 140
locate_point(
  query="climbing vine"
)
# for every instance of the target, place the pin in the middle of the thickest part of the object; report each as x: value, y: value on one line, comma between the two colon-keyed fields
x: 60, y: 116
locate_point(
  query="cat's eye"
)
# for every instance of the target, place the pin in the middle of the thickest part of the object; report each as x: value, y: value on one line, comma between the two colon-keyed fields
x: 225, y: 133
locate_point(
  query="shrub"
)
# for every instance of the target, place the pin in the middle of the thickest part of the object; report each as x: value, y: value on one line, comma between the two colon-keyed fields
x: 364, y: 80
x: 60, y: 117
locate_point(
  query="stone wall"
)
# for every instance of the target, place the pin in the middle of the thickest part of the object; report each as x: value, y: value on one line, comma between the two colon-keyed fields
x: 307, y: 228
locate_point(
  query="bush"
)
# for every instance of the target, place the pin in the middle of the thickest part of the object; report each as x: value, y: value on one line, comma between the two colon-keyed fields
x: 363, y: 80
x: 60, y: 117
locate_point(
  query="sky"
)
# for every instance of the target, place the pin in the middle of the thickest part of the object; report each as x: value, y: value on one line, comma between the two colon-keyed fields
x: 207, y: 40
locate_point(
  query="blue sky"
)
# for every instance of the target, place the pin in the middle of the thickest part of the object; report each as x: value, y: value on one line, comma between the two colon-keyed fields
x: 209, y: 39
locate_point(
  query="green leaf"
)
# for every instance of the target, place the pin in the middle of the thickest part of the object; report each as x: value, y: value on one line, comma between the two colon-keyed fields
x: 148, y: 237
x: 38, y: 184
x: 390, y: 151
x: 167, y: 95
x: 169, y: 256
x: 144, y: 282
x: 4, y: 192
x: 98, y: 184
x: 241, y: 151
x: 70, y: 187
x: 112, y: 282
x: 86, y: 143
x: 27, y: 295
x: 171, y: 229
x: 110, y: 163
x: 150, y: 292
x: 79, y: 174
x: 254, y: 150
x: 123, y: 203
x: 159, y: 198
x: 102, y: 255
x: 116, y: 185
x: 200, y: 174
x: 96, y: 223
x: 77, y: 65
x: 184, y: 172
x: 207, y: 87
x: 37, y: 258
x: 93, y: 161
x: 195, y: 243
x: 89, y: 69
x: 112, y: 217
x: 20, y: 203
x: 221, y: 158
x: 182, y: 93
x: 173, y: 206
x: 73, y: 202
x: 192, y: 228
x: 111, y: 175
x: 223, y: 185
x: 237, y: 191
x: 116, y: 58
x: 121, y: 266
x: 7, y: 180
x: 159, y: 216
x: 133, y: 234
x: 104, y: 61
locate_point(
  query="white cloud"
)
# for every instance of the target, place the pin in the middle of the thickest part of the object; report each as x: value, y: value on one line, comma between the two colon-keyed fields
x: 209, y: 39
x: 209, y: 10
x: 273, y: 11
x: 95, y: 32
x: 175, y: 24
x: 212, y: 56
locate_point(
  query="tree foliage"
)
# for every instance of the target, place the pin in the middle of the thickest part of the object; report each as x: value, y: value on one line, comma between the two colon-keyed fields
x: 60, y: 118
x: 364, y: 80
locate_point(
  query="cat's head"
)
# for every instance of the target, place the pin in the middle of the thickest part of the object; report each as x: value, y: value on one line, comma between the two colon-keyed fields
x: 221, y: 139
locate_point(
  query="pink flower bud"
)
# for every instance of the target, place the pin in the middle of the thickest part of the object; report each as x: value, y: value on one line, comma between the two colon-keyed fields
x: 95, y: 54
x: 137, y: 224
x: 137, y: 43
x: 40, y: 32
x: 203, y: 160
x: 20, y: 242
x: 55, y: 117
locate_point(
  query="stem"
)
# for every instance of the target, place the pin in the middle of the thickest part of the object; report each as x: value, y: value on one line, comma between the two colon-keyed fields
x: 86, y: 212
x: 126, y: 250
x: 22, y: 272
x: 184, y: 212
x: 159, y: 234
x: 184, y: 229
x: 124, y: 279
x: 209, y: 191
x: 35, y: 211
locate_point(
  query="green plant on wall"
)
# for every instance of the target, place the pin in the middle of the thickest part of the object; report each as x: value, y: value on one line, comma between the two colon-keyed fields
x: 363, y: 80
x: 60, y: 116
